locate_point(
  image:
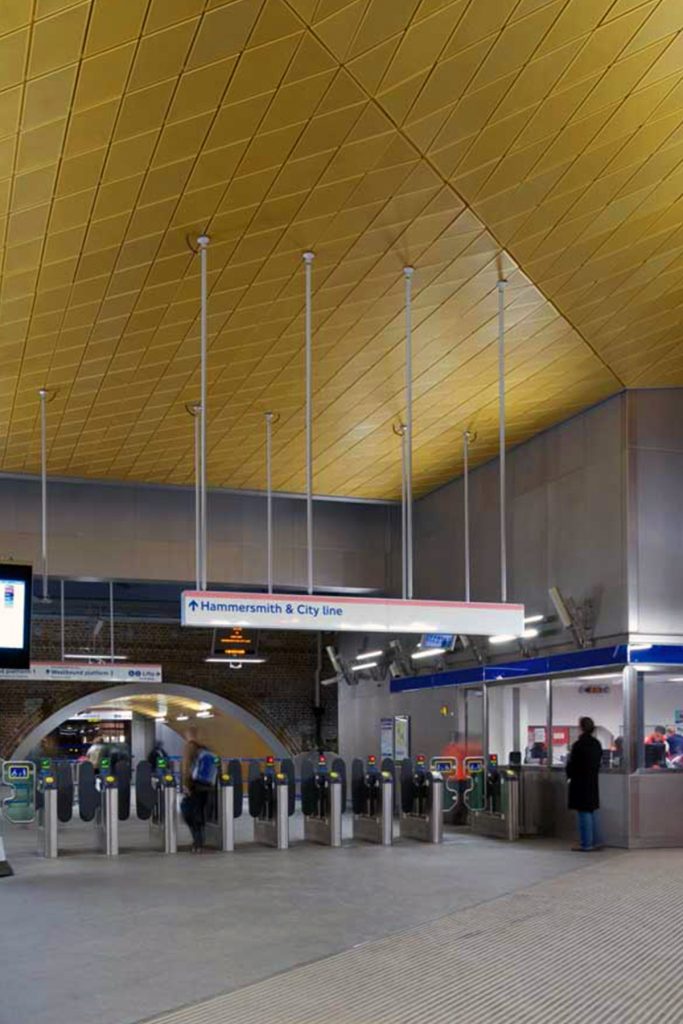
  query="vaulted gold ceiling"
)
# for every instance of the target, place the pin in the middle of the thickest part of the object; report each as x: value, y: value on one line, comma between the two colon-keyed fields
x: 454, y: 135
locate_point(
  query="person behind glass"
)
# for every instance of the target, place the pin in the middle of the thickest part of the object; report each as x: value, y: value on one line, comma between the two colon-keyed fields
x: 583, y: 767
x: 193, y: 804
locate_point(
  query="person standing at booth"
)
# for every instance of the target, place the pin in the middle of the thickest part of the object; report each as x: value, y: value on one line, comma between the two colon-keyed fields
x: 583, y: 768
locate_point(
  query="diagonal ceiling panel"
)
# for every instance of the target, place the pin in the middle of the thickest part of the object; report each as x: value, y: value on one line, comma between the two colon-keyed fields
x: 447, y: 134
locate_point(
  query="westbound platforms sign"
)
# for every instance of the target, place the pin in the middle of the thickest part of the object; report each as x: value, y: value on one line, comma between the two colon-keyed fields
x: 356, y: 614
x: 69, y: 671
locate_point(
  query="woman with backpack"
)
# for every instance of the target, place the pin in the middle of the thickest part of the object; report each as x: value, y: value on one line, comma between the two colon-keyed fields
x: 198, y: 780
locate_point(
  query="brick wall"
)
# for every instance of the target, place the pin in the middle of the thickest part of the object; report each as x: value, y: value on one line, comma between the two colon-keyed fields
x: 278, y: 693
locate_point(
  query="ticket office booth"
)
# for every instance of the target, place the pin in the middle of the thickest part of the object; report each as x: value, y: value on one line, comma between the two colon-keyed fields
x: 637, y: 707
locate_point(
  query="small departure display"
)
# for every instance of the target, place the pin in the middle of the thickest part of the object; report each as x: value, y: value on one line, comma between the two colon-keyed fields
x: 18, y: 772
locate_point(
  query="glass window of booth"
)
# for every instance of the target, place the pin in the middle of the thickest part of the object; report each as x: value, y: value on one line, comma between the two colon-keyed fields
x: 600, y: 697
x: 662, y: 720
x: 518, y: 721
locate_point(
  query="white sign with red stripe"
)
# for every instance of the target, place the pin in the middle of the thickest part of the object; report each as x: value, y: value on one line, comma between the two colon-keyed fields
x: 357, y: 614
x: 77, y: 671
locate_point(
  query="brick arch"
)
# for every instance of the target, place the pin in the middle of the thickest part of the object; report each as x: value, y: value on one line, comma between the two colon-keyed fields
x: 32, y: 734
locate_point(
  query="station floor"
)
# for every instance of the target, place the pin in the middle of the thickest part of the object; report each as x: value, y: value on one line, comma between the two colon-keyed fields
x: 413, y: 933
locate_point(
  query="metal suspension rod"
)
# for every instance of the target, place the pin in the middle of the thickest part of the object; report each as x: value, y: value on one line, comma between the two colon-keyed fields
x: 501, y: 438
x: 408, y: 275
x: 111, y: 622
x: 202, y: 242
x: 43, y: 487
x: 61, y: 618
x: 466, y: 437
x: 308, y: 261
x: 269, y: 497
x: 404, y: 514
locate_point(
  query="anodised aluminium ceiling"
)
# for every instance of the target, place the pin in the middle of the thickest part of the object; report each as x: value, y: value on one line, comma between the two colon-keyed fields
x: 455, y: 135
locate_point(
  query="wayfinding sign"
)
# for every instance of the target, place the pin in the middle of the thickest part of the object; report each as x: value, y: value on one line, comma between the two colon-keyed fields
x: 357, y: 614
x: 77, y: 671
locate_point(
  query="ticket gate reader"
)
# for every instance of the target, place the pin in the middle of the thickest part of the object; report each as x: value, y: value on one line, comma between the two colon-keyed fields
x: 163, y: 823
x: 322, y: 801
x: 421, y: 802
x: 492, y: 798
x: 48, y: 814
x: 372, y: 798
x: 225, y: 807
x: 272, y: 800
x: 475, y: 794
x: 447, y: 768
x: 107, y: 816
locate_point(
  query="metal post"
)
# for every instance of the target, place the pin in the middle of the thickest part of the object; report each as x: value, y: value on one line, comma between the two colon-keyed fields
x: 501, y: 438
x: 633, y: 721
x: 404, y: 513
x: 202, y: 242
x: 43, y: 487
x: 269, y: 498
x: 408, y: 275
x: 466, y: 438
x: 194, y: 411
x: 111, y: 622
x: 308, y: 265
x: 549, y: 721
x: 399, y: 431
x: 61, y: 617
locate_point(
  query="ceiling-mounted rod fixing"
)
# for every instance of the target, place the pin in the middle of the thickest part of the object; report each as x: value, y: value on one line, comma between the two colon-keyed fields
x: 501, y: 438
x: 270, y: 419
x: 308, y: 266
x: 408, y: 439
x: 202, y: 243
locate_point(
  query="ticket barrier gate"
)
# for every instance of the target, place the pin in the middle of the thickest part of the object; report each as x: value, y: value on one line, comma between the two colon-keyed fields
x: 323, y: 800
x: 272, y: 800
x: 155, y: 801
x: 19, y: 807
x: 47, y: 814
x: 225, y: 805
x: 497, y: 814
x: 372, y: 799
x: 421, y: 802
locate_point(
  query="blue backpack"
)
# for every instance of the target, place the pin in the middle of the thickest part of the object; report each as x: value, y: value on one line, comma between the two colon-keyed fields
x: 205, y: 769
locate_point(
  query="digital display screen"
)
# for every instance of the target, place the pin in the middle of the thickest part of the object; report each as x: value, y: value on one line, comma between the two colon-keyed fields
x: 235, y: 643
x: 438, y: 641
x: 15, y: 615
x: 447, y: 765
x: 18, y: 772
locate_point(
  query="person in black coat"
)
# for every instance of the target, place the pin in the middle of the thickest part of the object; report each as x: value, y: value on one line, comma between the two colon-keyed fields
x: 583, y: 767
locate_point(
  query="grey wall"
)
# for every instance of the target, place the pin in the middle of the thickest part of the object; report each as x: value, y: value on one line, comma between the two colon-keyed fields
x: 134, y: 532
x: 655, y: 538
x: 566, y: 523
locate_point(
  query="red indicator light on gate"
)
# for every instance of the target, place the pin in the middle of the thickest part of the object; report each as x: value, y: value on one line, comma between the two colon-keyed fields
x: 420, y: 759
x: 270, y: 759
x: 322, y: 759
x: 372, y: 759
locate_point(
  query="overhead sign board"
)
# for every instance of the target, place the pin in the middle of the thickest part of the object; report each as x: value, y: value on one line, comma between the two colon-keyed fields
x: 69, y: 671
x: 357, y: 614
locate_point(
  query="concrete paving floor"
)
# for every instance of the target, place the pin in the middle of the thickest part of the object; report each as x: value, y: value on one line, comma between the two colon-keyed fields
x: 119, y: 940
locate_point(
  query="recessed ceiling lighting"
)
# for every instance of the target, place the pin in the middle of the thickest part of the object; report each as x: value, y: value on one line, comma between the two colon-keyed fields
x: 502, y: 638
x: 534, y: 618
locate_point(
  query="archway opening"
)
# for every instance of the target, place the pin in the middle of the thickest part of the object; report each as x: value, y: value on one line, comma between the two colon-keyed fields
x: 137, y: 716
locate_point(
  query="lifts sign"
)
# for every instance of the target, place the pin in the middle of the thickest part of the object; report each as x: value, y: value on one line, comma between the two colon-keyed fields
x: 355, y: 614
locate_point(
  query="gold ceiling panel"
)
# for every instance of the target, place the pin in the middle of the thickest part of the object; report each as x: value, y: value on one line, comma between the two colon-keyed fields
x: 454, y: 135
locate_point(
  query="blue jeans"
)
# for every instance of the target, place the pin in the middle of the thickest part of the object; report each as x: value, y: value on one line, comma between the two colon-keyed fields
x: 590, y: 834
